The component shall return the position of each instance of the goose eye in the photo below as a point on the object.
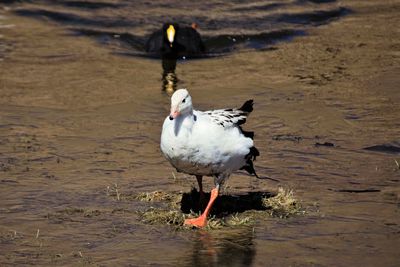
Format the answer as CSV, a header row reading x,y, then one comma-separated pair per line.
x,y
184,100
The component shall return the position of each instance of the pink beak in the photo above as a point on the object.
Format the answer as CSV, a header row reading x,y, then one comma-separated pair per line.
x,y
174,113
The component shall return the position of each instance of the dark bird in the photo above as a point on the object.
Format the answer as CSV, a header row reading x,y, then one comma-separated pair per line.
x,y
174,41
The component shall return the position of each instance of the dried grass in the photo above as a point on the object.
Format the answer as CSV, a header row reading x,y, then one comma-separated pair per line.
x,y
160,216
283,205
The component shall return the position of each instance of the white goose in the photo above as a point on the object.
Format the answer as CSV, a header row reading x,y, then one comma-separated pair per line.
x,y
207,143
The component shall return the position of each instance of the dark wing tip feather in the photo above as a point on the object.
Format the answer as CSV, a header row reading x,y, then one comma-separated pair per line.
x,y
241,121
247,106
254,153
249,167
246,133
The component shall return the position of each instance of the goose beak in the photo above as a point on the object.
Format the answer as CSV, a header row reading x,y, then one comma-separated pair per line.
x,y
174,113
171,34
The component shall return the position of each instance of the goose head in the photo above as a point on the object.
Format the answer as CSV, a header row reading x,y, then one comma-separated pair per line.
x,y
181,104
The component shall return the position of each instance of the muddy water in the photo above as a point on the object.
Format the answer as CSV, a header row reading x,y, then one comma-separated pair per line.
x,y
81,111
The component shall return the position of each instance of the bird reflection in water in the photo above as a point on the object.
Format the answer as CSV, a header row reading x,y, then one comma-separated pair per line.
x,y
223,248
173,42
169,77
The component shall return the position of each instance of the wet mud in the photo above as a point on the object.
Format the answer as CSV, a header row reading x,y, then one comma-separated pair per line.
x,y
81,110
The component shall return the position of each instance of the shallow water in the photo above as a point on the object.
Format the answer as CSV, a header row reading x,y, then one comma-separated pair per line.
x,y
82,108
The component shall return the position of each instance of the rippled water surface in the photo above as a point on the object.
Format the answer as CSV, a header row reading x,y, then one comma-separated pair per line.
x,y
81,111
125,25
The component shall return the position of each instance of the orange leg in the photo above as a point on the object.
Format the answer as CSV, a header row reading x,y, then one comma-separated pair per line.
x,y
202,220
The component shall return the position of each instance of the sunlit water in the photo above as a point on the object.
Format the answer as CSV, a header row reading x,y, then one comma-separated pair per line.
x,y
82,109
